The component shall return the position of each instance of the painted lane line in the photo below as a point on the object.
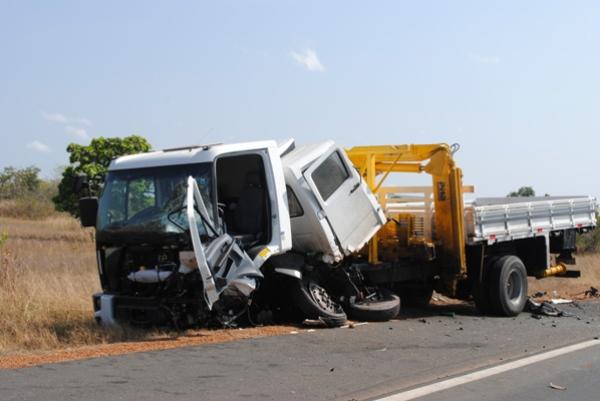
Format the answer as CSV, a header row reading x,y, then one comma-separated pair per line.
x,y
482,374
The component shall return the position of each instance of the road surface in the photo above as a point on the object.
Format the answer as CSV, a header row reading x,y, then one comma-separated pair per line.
x,y
367,362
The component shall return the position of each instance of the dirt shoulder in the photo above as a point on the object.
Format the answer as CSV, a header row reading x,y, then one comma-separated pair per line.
x,y
190,338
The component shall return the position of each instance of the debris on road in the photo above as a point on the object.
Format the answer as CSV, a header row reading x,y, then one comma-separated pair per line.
x,y
592,292
545,308
561,301
556,386
539,294
314,323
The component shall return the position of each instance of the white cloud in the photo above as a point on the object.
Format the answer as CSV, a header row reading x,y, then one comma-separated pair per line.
x,y
308,59
59,118
80,133
481,59
38,146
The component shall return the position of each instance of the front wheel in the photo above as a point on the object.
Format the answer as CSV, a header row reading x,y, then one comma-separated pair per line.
x,y
508,286
316,303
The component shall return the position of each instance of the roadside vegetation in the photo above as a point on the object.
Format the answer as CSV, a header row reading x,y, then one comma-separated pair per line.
x,y
47,276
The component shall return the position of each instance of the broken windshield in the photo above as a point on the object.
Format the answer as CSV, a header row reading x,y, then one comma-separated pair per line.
x,y
150,200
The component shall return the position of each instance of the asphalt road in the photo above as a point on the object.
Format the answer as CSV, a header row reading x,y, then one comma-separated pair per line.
x,y
365,362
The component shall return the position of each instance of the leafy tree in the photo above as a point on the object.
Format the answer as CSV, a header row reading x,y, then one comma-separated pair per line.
x,y
93,160
523,191
17,183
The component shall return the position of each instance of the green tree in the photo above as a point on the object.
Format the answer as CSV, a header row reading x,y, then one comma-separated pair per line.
x,y
523,191
93,160
17,183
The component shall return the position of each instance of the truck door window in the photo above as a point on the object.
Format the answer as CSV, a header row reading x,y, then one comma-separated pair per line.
x,y
293,203
330,175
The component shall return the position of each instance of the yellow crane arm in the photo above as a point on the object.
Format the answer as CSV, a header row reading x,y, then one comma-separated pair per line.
x,y
433,159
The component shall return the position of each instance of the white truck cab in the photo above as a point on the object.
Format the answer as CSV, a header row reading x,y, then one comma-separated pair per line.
x,y
183,233
332,210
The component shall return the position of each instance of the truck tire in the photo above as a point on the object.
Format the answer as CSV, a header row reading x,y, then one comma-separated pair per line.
x,y
416,297
481,288
384,307
508,286
316,303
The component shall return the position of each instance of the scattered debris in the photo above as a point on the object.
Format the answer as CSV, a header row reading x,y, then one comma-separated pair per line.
x,y
332,369
448,313
556,387
437,297
422,320
561,301
314,323
539,294
545,308
592,292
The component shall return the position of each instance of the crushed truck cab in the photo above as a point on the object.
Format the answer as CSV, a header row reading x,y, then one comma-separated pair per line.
x,y
184,235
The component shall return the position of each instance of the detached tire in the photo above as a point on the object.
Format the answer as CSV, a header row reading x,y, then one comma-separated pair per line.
x,y
386,306
508,286
314,301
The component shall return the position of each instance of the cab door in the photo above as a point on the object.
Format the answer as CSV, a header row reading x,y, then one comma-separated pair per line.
x,y
347,203
240,181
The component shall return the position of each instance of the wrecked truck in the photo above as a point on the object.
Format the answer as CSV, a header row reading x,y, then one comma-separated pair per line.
x,y
221,233
191,236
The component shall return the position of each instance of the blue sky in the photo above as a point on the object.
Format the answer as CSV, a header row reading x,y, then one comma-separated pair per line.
x,y
516,83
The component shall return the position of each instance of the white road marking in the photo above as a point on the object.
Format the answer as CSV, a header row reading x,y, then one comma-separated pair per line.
x,y
482,374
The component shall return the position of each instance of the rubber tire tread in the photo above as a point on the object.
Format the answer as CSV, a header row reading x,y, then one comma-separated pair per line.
x,y
499,273
303,300
377,311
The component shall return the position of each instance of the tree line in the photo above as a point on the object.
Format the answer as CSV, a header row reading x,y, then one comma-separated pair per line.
x,y
23,193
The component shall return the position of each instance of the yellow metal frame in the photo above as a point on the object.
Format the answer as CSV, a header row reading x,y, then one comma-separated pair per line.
x,y
376,163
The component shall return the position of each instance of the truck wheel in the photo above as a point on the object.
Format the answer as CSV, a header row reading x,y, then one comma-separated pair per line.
x,y
417,297
384,306
316,303
481,288
508,286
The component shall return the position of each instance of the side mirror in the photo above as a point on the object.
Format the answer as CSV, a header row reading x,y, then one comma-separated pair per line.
x,y
81,182
88,210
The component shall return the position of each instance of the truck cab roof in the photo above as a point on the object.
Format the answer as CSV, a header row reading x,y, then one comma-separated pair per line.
x,y
183,155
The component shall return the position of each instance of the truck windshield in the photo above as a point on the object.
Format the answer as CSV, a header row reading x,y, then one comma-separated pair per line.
x,y
150,200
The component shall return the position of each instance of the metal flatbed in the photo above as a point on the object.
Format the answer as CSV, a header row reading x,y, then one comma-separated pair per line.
x,y
495,220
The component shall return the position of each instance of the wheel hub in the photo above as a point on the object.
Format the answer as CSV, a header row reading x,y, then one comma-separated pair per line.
x,y
322,298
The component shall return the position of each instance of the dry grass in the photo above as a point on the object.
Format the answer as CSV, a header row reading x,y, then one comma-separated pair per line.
x,y
47,276
32,207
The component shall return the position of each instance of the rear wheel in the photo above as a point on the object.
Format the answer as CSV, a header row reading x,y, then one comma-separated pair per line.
x,y
316,303
508,286
380,307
